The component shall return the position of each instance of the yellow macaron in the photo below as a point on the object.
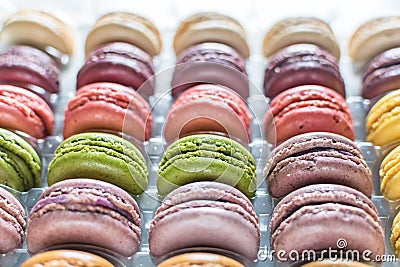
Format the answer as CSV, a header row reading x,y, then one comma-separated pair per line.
x,y
200,259
390,175
395,235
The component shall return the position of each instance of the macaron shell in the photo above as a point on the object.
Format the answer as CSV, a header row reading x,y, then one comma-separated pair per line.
x,y
320,223
211,27
124,27
389,174
74,227
297,30
204,226
25,111
39,29
208,108
336,263
373,37
211,260
395,234
382,125
308,108
108,106
69,257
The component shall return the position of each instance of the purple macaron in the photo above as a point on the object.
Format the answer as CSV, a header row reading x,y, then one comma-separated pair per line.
x,y
381,74
210,63
323,216
205,214
85,212
30,68
121,63
302,64
12,222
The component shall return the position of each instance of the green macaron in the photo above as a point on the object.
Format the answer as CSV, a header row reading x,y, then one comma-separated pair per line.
x,y
207,157
100,156
20,165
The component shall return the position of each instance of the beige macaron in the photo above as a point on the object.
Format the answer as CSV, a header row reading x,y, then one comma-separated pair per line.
x,y
335,263
66,258
211,27
39,29
373,37
295,30
200,259
124,27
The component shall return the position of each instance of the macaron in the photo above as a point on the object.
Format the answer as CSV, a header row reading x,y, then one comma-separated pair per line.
x,y
316,158
382,121
25,111
389,174
66,258
206,214
210,63
307,108
395,235
100,156
12,222
84,212
121,63
200,259
208,108
335,263
108,107
211,27
297,30
373,37
381,74
302,64
20,165
207,157
319,217
38,29
124,27
30,68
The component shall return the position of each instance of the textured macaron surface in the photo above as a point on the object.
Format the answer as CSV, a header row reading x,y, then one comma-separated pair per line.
x,y
200,260
100,156
25,111
390,174
20,165
12,222
314,158
302,64
206,157
307,108
307,223
395,235
107,106
382,125
83,208
217,209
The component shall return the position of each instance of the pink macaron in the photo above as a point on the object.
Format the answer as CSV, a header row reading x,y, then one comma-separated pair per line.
x,y
108,107
208,108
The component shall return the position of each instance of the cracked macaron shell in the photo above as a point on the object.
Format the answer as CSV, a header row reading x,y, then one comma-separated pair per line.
x,y
211,108
206,157
307,108
20,165
120,63
302,64
12,222
361,230
108,106
314,158
382,121
199,202
68,206
100,156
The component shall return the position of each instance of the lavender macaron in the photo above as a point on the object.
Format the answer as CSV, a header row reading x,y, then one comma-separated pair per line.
x,y
85,212
302,64
214,63
316,158
319,217
205,214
